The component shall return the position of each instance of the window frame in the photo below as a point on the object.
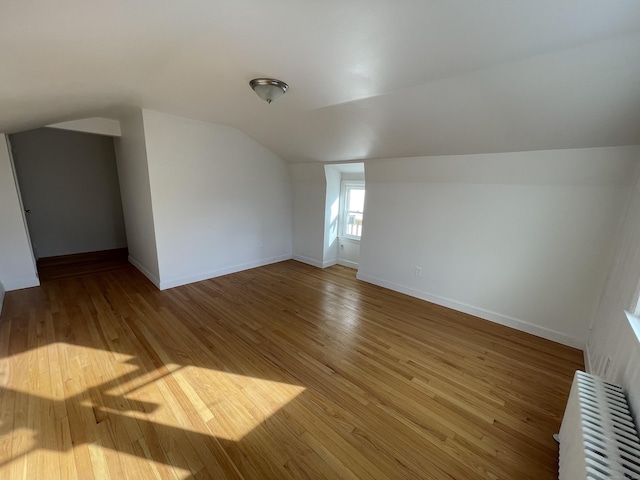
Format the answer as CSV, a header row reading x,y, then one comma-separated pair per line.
x,y
345,186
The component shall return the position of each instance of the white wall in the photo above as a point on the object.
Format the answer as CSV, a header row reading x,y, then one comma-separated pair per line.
x,y
613,350
133,172
17,267
331,215
316,211
524,239
69,182
309,194
348,252
221,202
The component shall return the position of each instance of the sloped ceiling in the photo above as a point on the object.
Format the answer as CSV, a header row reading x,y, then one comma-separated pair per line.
x,y
368,78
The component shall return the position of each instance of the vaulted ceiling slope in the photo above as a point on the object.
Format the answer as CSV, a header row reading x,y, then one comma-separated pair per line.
x,y
368,78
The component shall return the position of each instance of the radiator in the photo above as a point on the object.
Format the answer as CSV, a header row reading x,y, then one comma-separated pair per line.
x,y
598,438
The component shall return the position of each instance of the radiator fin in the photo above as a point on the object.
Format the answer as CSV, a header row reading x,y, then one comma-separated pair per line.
x,y
598,437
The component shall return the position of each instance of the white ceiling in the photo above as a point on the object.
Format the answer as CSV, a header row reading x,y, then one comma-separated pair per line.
x,y
368,78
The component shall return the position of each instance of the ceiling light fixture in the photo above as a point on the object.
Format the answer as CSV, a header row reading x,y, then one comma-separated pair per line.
x,y
268,89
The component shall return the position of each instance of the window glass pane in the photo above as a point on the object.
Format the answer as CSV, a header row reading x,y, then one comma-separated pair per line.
x,y
352,205
356,200
354,224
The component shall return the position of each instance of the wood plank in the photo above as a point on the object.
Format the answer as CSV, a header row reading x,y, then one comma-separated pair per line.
x,y
284,371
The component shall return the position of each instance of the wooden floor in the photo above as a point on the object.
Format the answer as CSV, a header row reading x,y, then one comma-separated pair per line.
x,y
284,371
78,264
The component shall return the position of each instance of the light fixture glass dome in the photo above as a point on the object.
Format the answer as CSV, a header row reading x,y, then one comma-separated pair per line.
x,y
268,89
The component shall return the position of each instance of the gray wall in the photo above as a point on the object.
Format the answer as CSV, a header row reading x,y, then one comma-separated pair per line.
x,y
69,181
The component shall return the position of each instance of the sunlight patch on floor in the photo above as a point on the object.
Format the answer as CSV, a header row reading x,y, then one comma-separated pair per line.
x,y
227,405
63,406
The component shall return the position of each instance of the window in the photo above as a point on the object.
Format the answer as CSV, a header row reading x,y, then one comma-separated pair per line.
x,y
352,200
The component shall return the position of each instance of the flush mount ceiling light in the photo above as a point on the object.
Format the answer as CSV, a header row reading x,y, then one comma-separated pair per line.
x,y
268,89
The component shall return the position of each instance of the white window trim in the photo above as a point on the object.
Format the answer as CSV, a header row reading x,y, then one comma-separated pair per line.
x,y
344,185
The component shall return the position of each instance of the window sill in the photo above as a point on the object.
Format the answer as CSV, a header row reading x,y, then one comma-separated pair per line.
x,y
349,239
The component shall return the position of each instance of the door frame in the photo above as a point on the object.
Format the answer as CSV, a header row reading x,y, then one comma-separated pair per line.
x,y
22,211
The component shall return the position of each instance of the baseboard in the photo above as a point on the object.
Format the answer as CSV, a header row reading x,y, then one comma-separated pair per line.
x,y
348,263
155,280
330,263
314,262
20,283
505,320
221,271
307,260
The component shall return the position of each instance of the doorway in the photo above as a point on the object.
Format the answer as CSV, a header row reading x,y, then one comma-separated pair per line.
x,y
71,195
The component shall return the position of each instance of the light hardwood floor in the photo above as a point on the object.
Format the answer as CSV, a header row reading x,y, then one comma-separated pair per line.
x,y
284,371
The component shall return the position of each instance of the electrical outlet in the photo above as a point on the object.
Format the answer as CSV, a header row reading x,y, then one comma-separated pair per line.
x,y
418,271
342,246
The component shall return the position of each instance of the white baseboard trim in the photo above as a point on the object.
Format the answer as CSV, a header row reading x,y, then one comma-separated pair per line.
x,y
155,280
20,283
478,312
314,262
307,260
176,282
347,263
330,263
